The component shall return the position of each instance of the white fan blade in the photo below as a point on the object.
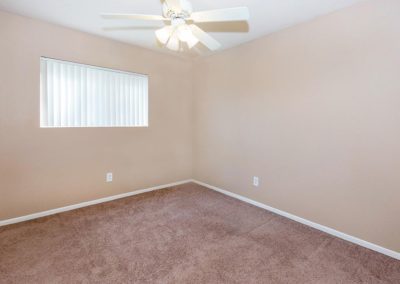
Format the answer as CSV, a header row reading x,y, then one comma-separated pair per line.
x,y
222,15
134,17
204,38
174,5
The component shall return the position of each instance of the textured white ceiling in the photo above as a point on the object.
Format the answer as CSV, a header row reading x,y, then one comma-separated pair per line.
x,y
267,16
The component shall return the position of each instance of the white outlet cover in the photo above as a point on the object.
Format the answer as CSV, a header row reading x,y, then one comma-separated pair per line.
x,y
109,177
256,181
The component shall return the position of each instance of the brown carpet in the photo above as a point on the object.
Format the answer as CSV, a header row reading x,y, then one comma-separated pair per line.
x,y
187,234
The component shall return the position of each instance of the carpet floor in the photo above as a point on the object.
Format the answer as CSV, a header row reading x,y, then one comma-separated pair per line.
x,y
186,234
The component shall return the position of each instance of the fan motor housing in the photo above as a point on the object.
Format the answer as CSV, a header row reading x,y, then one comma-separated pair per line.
x,y
186,10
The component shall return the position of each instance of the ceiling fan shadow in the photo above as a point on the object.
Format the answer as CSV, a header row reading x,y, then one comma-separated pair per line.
x,y
226,27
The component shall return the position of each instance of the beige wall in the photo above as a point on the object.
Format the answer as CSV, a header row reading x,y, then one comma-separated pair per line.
x,y
42,169
314,111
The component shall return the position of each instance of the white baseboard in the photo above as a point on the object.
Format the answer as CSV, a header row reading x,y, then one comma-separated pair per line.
x,y
325,229
87,203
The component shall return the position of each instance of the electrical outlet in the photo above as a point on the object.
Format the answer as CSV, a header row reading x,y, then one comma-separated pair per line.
x,y
109,177
256,181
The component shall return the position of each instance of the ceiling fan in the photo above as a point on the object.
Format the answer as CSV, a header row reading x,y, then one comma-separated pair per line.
x,y
182,26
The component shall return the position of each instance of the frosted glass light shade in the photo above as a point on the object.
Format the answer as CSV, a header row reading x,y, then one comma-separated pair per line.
x,y
173,42
192,41
164,34
171,36
184,33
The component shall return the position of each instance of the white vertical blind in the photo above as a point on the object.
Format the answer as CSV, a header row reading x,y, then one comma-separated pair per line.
x,y
77,95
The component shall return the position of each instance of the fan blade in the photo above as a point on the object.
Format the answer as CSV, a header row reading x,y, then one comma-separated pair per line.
x,y
174,5
131,28
222,15
134,17
204,38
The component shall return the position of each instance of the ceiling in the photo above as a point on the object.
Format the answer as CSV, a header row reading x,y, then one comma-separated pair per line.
x,y
266,16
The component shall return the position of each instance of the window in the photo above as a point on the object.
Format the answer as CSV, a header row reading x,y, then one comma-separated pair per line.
x,y
76,95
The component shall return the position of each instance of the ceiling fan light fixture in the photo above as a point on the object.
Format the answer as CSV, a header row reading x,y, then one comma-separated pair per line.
x,y
182,23
173,43
192,41
164,34
184,33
